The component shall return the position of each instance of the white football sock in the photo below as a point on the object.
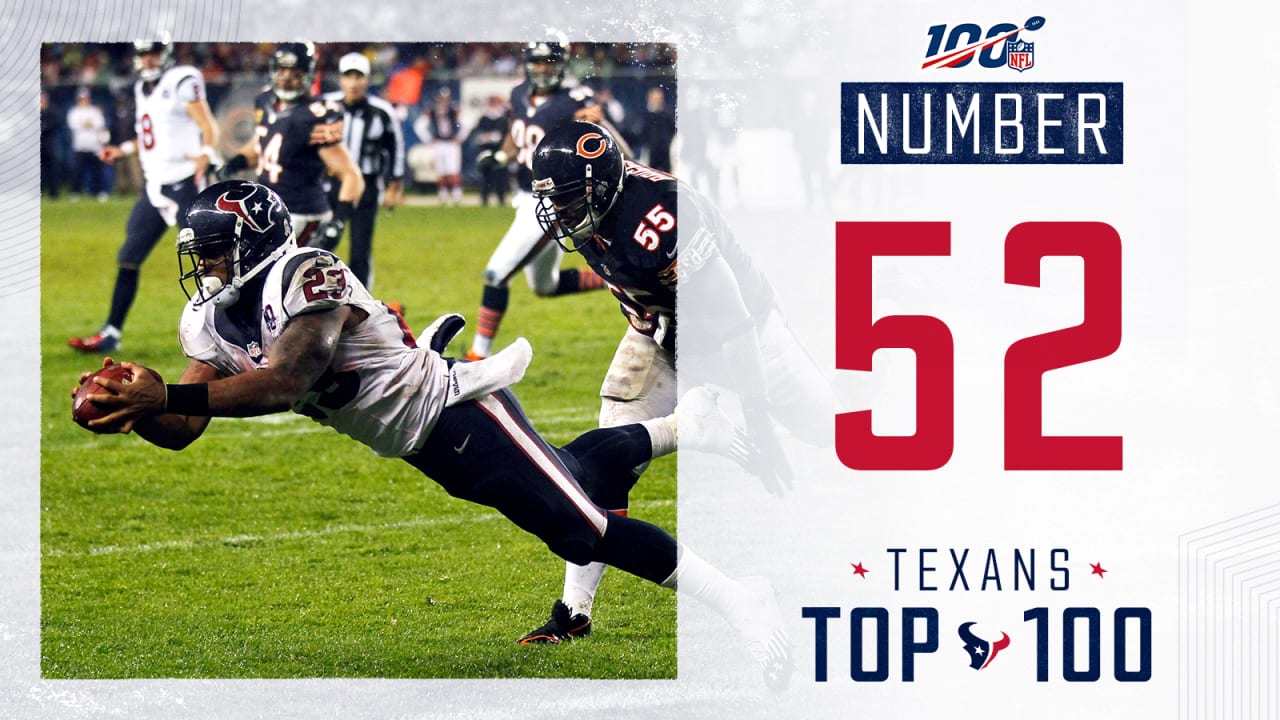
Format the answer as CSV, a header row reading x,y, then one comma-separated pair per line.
x,y
662,433
695,577
580,583
481,345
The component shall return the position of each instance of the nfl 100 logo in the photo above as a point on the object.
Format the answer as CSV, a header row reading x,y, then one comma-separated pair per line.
x,y
999,46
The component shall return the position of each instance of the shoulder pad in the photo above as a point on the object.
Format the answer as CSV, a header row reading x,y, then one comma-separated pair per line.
x,y
312,280
193,332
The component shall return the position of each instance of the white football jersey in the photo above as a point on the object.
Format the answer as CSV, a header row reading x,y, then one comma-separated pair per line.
x,y
378,389
167,136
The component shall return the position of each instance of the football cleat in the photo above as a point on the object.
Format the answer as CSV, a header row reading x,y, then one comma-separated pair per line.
x,y
759,622
472,356
563,625
103,342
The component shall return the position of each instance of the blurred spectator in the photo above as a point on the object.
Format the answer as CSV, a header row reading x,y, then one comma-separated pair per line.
x,y
88,135
659,130
50,130
127,168
613,110
488,134
440,127
404,89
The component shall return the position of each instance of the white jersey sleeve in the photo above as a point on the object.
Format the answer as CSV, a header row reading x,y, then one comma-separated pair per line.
x,y
314,281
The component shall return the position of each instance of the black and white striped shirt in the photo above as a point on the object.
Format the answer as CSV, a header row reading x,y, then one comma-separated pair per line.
x,y
372,135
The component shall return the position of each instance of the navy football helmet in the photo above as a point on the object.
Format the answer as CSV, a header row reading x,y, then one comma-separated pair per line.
x,y
240,224
544,64
577,178
143,47
299,55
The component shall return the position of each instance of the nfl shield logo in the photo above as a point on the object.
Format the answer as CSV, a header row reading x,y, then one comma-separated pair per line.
x,y
1022,55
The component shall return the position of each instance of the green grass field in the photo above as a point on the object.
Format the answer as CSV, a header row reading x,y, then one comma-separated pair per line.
x,y
276,548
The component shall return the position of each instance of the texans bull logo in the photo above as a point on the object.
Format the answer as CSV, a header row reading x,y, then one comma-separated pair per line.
x,y
981,652
253,214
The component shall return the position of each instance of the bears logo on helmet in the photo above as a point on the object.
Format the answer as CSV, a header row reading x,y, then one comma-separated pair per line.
x,y
591,154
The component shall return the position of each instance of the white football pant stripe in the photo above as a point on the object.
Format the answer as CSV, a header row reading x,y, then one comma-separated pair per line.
x,y
550,466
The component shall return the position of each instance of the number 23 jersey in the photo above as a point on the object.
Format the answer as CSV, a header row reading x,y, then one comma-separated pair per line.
x,y
379,388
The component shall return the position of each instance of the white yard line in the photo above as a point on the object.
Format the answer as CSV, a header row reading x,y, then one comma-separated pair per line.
x,y
193,543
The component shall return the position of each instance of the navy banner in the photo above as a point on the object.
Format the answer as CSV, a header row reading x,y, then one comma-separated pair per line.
x,y
982,123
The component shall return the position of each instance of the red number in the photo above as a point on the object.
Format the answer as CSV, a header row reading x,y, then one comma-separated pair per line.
x,y
661,220
856,341
148,131
1027,360
324,284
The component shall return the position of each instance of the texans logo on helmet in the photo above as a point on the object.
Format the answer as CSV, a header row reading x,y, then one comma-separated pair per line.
x,y
239,206
591,154
981,652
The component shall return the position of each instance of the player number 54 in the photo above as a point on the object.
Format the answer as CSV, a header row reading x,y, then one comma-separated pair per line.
x,y
1026,447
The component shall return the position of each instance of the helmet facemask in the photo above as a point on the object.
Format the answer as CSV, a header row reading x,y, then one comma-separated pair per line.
x,y
544,74
544,65
298,58
196,273
572,213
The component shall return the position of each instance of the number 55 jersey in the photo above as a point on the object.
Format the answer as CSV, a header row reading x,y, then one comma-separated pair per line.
x,y
379,389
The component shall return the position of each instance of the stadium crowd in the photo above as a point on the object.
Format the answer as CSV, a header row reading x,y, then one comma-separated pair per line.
x,y
408,75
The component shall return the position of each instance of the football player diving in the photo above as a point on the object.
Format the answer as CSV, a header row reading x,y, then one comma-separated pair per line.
x,y
624,218
270,326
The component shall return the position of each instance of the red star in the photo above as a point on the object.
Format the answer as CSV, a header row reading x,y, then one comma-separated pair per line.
x,y
1097,569
859,570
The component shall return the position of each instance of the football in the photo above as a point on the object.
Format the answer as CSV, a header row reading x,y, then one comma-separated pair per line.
x,y
83,409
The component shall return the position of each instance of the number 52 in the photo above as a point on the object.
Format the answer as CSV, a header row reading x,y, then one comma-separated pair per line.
x,y
1025,362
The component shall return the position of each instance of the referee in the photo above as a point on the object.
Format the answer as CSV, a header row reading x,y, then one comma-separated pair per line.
x,y
371,133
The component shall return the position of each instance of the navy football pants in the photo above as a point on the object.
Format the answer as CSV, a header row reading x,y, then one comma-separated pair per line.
x,y
486,451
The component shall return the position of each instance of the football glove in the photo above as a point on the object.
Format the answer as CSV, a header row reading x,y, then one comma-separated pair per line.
x,y
228,170
330,234
442,331
491,159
